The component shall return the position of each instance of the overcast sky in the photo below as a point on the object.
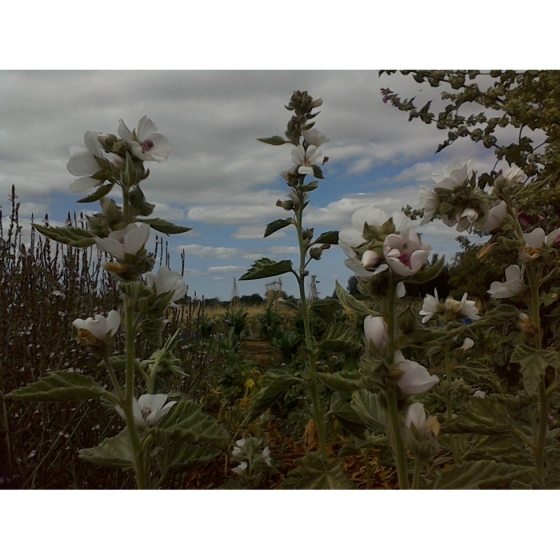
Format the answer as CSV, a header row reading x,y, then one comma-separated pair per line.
x,y
219,179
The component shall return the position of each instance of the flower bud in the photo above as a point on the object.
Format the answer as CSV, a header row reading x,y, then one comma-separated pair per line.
x,y
376,331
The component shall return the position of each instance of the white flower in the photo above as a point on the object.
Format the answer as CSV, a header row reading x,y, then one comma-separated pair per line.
x,y
287,173
265,456
376,331
405,253
240,468
511,287
83,163
515,175
479,394
468,343
148,409
416,416
239,444
466,219
306,158
146,144
129,240
430,201
167,281
314,137
537,238
430,306
495,217
464,308
415,378
453,175
98,327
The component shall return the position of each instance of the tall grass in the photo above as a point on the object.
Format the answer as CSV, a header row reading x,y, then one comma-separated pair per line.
x,y
44,286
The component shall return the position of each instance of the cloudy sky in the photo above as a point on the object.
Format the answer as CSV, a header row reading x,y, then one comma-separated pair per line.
x,y
219,179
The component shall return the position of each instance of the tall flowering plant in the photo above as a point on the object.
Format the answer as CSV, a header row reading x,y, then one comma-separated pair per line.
x,y
385,252
158,427
302,178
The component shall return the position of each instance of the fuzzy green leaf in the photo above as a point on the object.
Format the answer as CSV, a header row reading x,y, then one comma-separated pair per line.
x,y
274,140
479,475
350,302
264,268
164,226
60,386
111,452
102,191
273,388
533,364
330,237
369,409
483,416
325,309
339,338
343,381
76,237
277,225
348,417
186,422
180,456
314,473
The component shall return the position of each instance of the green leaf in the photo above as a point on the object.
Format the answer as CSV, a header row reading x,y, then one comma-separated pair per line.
x,y
164,226
272,389
264,268
339,338
343,381
277,225
534,364
60,386
181,456
484,416
479,474
76,237
330,237
350,302
102,191
369,409
314,473
186,422
112,452
347,416
503,314
274,140
325,309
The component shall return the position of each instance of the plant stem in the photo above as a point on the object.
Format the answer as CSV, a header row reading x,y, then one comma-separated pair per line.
x,y
543,401
311,355
398,442
417,471
129,394
456,454
392,390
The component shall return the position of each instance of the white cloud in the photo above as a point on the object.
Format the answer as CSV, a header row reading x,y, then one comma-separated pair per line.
x,y
209,252
227,268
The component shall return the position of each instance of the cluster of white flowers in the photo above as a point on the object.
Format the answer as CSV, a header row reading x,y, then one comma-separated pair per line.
x,y
90,164
402,250
463,309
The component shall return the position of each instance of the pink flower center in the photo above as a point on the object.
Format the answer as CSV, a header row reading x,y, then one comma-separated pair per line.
x,y
147,146
146,411
405,259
